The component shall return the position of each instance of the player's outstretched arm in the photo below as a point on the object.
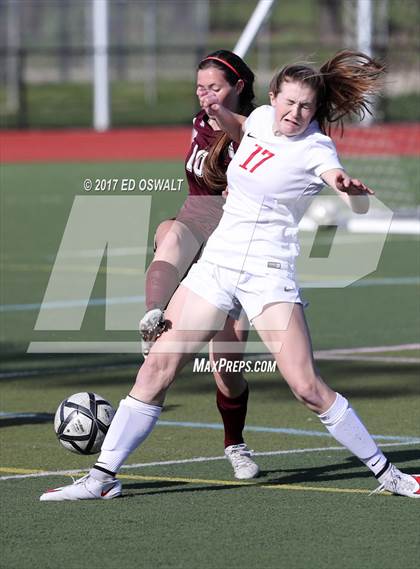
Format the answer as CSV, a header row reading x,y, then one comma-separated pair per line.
x,y
228,121
354,192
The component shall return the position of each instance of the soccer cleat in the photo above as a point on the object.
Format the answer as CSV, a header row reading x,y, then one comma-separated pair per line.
x,y
399,483
151,327
87,488
239,456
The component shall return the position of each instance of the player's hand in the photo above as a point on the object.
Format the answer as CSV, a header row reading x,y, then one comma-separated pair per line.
x,y
352,186
210,104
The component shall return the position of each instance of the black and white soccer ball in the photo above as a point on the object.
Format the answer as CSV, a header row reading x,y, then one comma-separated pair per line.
x,y
82,421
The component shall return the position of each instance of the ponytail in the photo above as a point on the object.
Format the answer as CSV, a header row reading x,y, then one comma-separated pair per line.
x,y
214,171
344,86
351,78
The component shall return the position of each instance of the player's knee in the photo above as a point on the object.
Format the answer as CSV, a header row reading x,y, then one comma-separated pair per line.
x,y
163,229
167,239
308,392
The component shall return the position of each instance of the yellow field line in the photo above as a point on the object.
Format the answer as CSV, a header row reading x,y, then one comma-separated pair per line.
x,y
181,480
250,483
316,489
187,480
7,470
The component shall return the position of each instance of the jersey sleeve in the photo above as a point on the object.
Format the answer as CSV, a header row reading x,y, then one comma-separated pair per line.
x,y
323,156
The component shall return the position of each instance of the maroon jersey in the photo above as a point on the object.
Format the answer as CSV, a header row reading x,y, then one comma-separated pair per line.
x,y
203,207
203,138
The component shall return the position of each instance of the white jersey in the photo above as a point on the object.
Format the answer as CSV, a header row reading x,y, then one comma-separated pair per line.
x,y
271,181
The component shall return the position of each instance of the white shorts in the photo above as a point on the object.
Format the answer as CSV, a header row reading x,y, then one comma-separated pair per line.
x,y
231,290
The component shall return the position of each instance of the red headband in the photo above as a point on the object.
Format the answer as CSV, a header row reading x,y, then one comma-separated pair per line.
x,y
224,63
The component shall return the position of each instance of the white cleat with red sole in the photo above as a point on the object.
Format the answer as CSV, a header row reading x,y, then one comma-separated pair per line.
x,y
397,482
87,488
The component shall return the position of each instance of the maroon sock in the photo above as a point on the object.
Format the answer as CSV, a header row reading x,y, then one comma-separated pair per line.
x,y
162,280
233,412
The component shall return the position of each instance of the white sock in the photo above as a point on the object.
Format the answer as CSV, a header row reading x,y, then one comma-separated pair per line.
x,y
132,424
346,427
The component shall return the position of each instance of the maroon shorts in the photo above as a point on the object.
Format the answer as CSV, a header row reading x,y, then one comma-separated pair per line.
x,y
201,214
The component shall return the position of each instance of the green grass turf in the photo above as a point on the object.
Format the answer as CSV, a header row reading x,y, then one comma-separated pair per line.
x,y
212,522
173,523
165,524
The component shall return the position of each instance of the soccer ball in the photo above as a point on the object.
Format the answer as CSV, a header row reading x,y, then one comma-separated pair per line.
x,y
81,422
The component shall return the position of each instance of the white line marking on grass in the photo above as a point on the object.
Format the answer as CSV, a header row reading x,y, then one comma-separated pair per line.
x,y
5,415
383,360
72,303
64,370
383,281
41,474
371,349
93,253
379,281
248,428
334,354
277,430
109,347
352,354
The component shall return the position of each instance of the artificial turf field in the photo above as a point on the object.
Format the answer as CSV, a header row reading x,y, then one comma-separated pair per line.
x,y
311,506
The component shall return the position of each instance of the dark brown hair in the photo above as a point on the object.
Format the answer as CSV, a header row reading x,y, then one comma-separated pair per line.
x,y
234,69
343,85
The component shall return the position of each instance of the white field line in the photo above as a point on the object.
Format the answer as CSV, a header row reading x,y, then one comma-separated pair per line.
x,y
248,428
311,281
41,474
383,360
94,253
334,354
352,354
109,347
82,302
275,430
372,349
77,303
